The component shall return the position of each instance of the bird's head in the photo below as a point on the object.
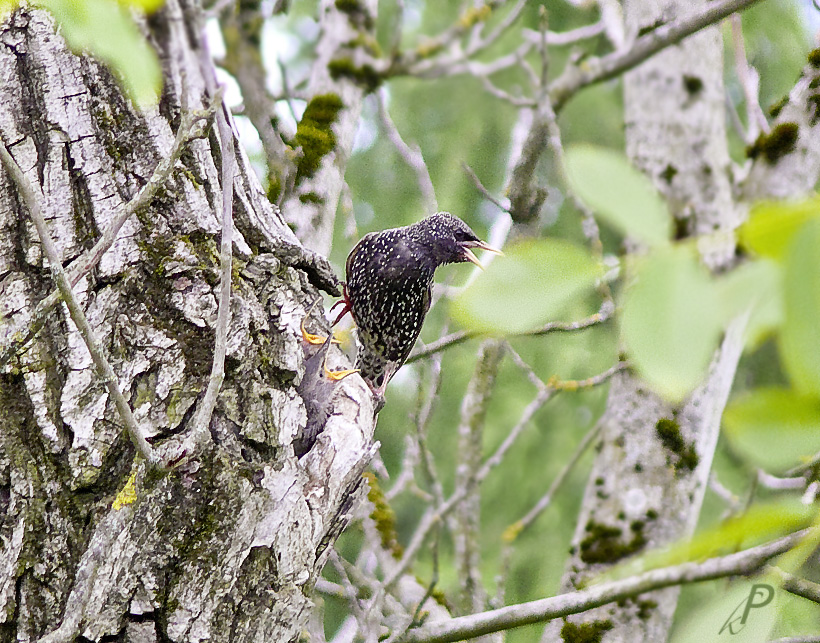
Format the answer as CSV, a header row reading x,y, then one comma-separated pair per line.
x,y
449,240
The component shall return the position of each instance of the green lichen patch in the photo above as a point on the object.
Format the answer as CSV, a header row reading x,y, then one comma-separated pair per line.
x,y
681,225
314,134
364,75
692,84
660,22
311,197
777,107
606,544
474,15
776,144
384,517
646,608
428,48
669,173
592,632
367,43
813,107
357,13
668,430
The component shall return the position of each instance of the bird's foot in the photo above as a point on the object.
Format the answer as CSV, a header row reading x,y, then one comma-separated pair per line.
x,y
344,302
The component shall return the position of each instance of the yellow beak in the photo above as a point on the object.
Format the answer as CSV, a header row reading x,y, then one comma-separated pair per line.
x,y
470,256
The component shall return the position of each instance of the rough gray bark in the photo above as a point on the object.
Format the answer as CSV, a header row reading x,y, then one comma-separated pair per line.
x,y
228,546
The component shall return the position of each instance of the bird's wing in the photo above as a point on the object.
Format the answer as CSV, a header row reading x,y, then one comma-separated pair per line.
x,y
352,256
403,262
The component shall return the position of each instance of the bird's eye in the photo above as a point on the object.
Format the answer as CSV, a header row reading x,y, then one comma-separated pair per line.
x,y
463,235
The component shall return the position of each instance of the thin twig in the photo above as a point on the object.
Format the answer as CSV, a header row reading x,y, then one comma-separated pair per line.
x,y
612,18
769,481
512,532
749,82
796,585
546,609
559,480
411,155
484,191
494,90
717,487
461,336
466,541
202,419
104,370
426,404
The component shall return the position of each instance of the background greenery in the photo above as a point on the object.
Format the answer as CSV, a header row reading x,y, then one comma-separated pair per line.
x,y
455,121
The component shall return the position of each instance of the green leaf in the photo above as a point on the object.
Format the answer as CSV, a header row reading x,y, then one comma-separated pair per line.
x,y
774,427
772,225
800,336
7,6
531,284
618,193
104,29
671,321
755,286
146,5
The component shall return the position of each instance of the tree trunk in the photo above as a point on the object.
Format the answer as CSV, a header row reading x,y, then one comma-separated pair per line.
x,y
227,546
648,480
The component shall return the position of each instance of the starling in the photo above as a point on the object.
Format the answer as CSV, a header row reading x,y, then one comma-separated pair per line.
x,y
388,289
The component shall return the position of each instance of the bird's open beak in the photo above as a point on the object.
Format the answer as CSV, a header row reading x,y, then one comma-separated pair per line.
x,y
468,255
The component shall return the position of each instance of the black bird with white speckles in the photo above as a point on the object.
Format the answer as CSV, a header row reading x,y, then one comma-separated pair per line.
x,y
389,280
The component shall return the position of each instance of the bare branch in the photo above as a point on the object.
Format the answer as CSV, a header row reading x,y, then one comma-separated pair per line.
x,y
104,370
411,155
796,585
493,89
459,337
546,609
595,70
468,461
423,416
512,532
749,82
484,191
243,29
201,422
559,480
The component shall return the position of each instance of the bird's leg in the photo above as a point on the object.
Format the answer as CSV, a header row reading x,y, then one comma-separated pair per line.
x,y
345,301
